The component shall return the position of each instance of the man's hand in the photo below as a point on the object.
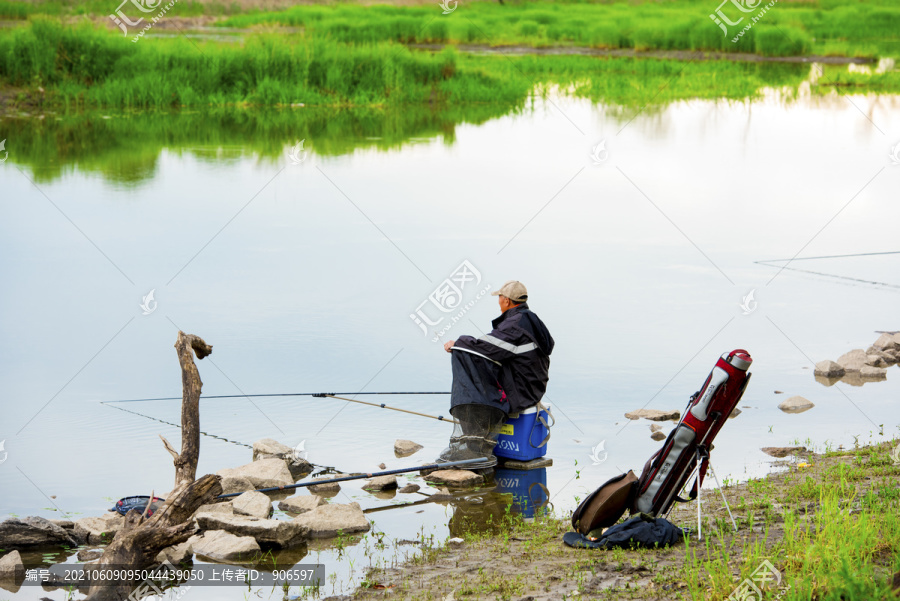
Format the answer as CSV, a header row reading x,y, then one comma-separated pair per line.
x,y
449,345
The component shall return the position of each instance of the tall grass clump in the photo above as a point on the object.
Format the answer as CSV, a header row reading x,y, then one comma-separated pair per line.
x,y
90,67
781,41
15,10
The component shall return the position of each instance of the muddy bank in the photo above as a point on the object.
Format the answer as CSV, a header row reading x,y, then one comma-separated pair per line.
x,y
680,55
528,561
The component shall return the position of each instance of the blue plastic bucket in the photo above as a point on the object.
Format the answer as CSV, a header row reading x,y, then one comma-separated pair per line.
x,y
520,437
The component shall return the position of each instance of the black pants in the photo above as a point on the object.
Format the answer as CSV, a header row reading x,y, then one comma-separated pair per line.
x,y
476,382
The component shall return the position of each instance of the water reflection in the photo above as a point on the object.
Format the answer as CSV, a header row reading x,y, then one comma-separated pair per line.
x,y
126,148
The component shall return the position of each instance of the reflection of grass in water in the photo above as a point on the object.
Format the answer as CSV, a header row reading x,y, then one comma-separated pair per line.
x,y
126,148
381,91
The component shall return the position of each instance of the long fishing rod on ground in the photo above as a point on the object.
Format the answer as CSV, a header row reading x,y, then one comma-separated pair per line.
x,y
276,394
361,476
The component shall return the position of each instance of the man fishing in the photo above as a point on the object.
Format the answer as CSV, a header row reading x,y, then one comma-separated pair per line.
x,y
503,372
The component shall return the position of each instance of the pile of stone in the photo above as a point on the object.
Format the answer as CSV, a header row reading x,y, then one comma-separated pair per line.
x,y
237,530
233,531
859,366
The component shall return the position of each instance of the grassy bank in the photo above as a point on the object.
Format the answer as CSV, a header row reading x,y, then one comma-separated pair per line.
x,y
829,525
839,27
831,27
83,67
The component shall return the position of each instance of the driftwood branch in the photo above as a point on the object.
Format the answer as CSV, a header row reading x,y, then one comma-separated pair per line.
x,y
140,540
191,385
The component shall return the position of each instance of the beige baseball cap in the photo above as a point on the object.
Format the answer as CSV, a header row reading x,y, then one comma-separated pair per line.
x,y
514,290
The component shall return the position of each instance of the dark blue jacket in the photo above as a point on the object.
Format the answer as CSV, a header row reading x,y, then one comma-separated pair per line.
x,y
521,344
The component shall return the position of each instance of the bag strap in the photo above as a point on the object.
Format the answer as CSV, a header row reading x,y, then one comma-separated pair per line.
x,y
701,474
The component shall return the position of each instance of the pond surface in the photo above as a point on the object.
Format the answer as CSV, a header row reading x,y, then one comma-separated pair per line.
x,y
637,233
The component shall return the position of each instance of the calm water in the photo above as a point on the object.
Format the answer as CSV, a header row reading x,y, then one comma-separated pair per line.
x,y
304,278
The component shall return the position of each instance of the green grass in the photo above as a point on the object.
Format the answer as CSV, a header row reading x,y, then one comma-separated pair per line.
x,y
350,93
845,27
844,544
83,67
834,27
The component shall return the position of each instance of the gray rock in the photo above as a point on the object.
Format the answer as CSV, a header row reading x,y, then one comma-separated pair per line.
x,y
252,503
734,413
455,478
268,448
32,531
224,546
89,554
272,449
655,428
236,484
99,529
867,372
829,369
11,567
876,360
68,525
409,488
796,404
887,342
405,448
782,451
381,483
653,414
301,503
658,436
225,508
889,357
282,533
327,521
261,474
326,490
853,360
299,468
176,554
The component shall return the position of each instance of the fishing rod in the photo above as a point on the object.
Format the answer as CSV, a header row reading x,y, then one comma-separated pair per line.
x,y
250,396
383,406
333,395
360,476
162,421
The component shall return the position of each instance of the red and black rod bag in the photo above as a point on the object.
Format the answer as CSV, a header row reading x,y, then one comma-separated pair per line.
x,y
669,469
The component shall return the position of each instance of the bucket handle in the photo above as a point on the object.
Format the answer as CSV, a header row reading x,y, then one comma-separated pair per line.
x,y
541,409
